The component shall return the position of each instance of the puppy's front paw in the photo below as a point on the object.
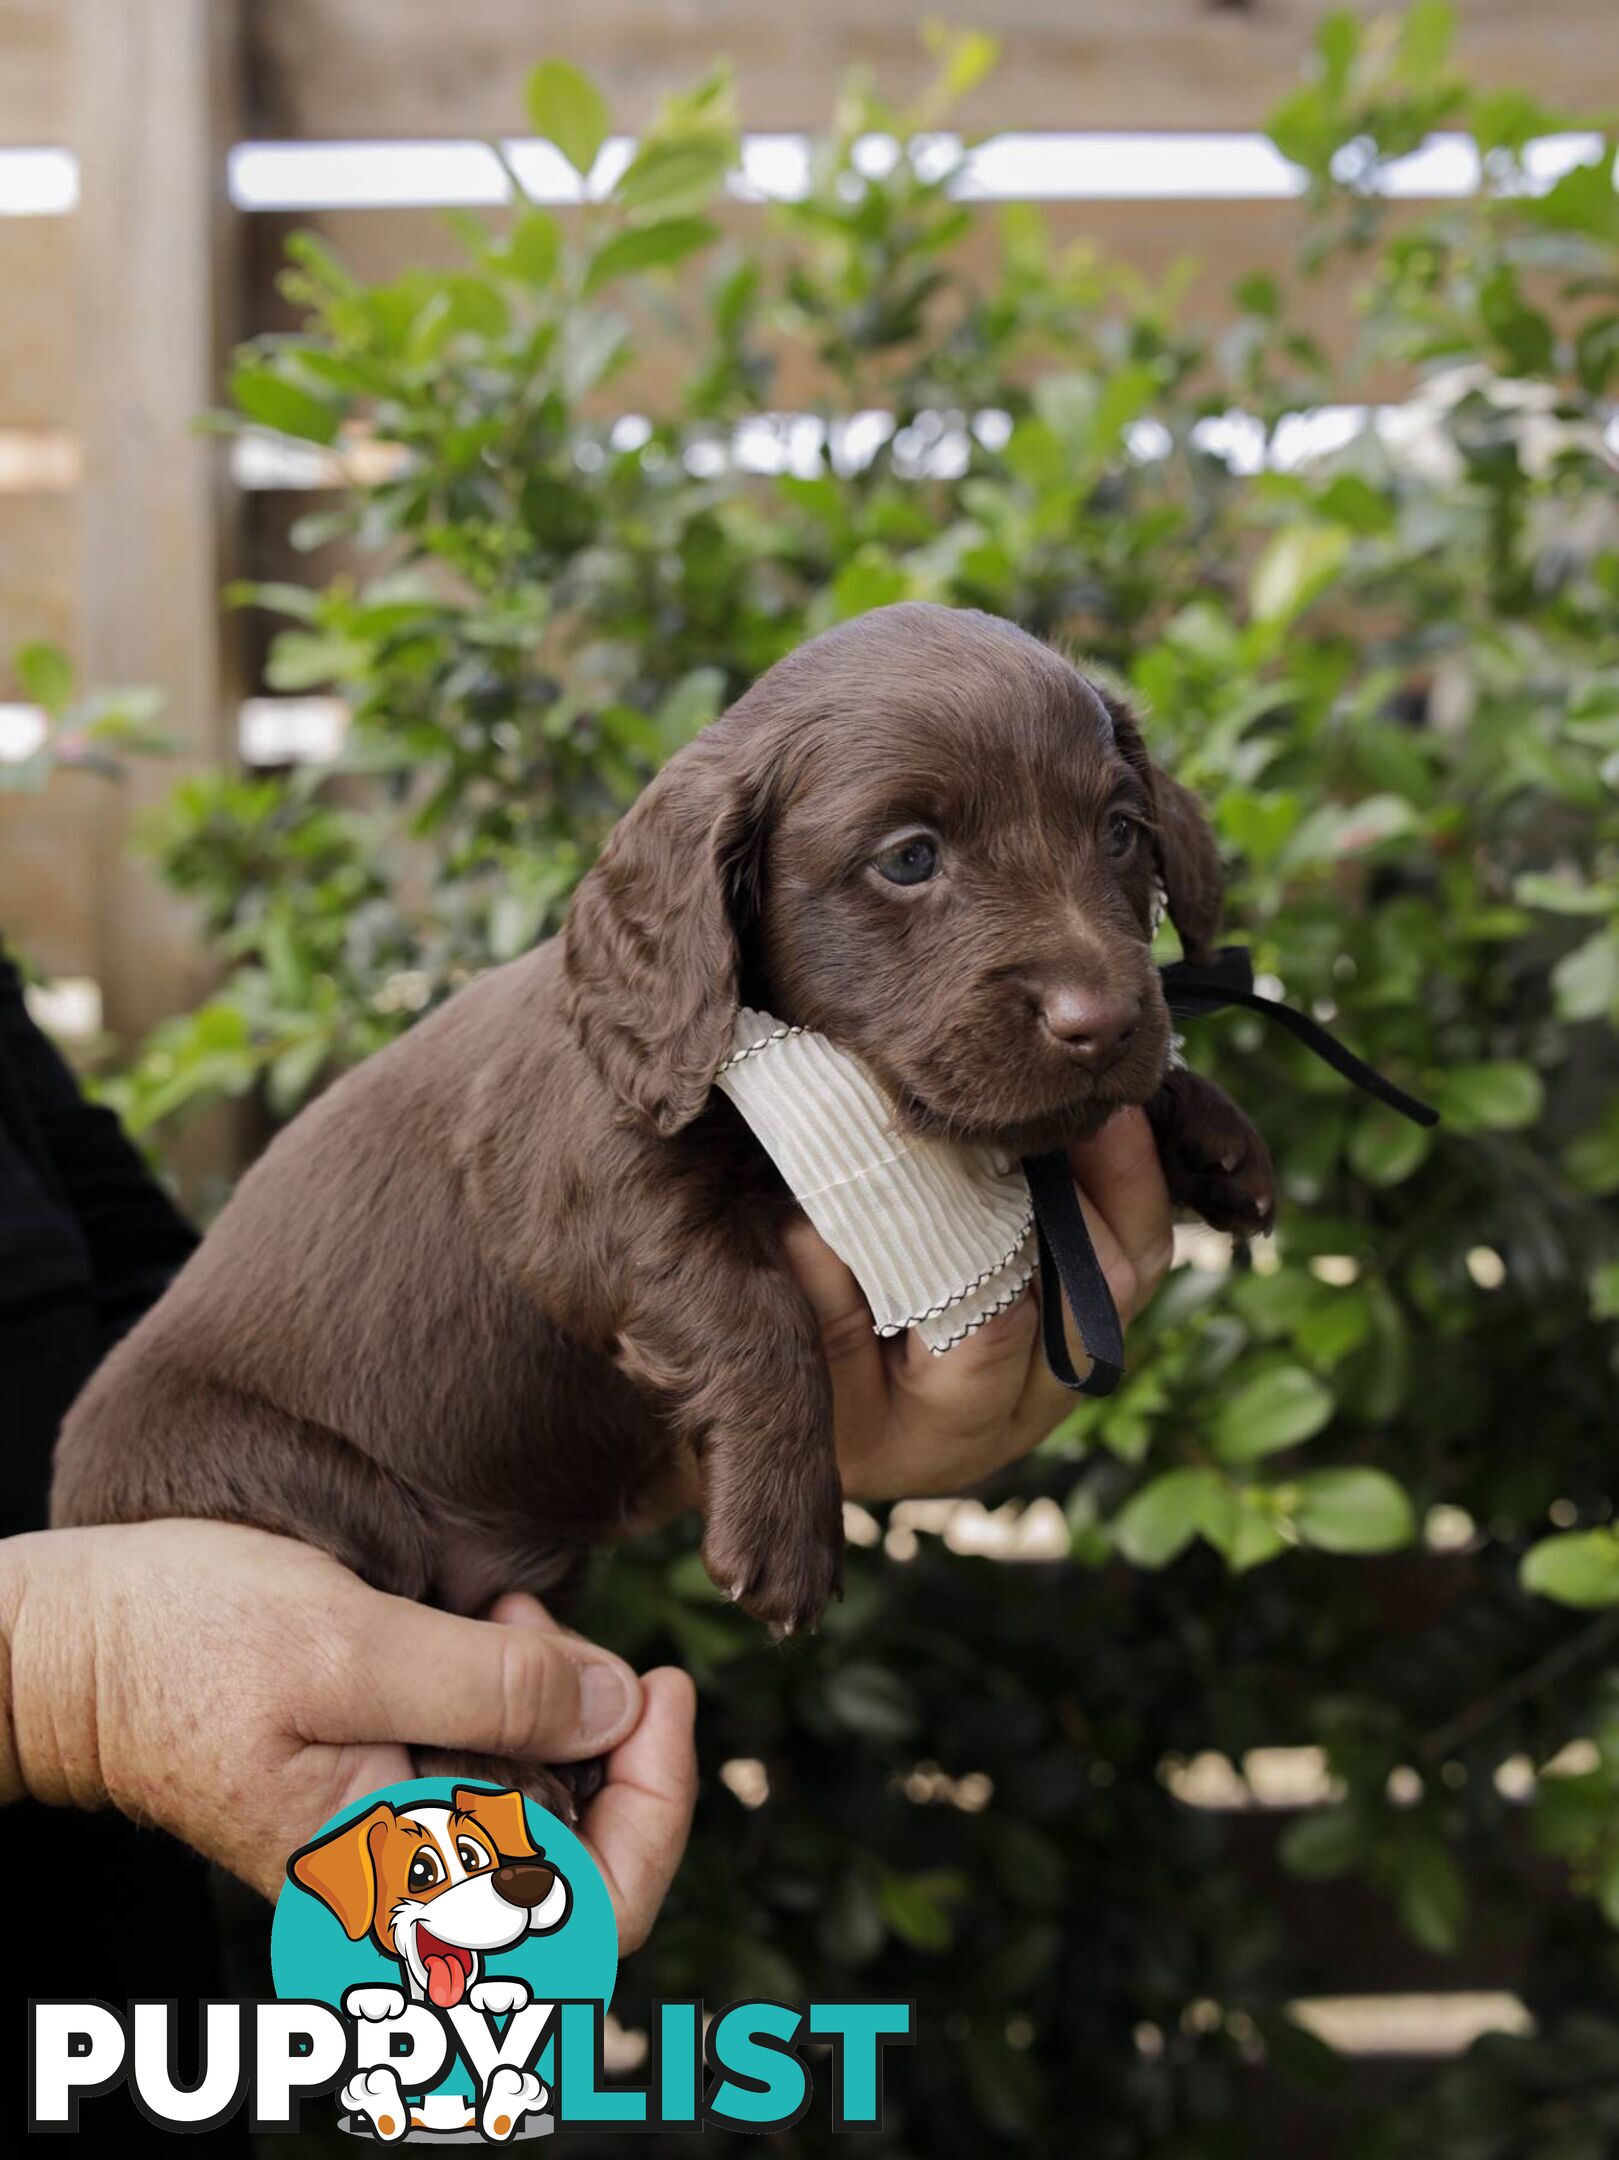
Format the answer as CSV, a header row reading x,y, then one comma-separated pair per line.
x,y
374,2003
1232,1185
776,1549
375,2094
498,1997
1215,1161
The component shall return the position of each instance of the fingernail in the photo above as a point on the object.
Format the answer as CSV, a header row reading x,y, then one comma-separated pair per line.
x,y
606,1701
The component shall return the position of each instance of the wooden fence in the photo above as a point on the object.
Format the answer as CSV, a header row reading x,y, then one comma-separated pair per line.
x,y
119,523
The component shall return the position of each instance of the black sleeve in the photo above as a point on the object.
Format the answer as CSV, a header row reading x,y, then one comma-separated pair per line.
x,y
133,1236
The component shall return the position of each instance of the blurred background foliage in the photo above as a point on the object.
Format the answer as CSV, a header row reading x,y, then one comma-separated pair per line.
x,y
1356,1491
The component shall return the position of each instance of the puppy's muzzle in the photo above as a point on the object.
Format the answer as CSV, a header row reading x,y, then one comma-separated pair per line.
x,y
523,1883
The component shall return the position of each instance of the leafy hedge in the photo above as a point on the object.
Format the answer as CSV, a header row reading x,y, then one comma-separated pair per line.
x,y
1391,666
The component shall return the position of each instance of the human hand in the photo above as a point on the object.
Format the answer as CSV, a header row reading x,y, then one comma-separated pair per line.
x,y
909,1423
238,1689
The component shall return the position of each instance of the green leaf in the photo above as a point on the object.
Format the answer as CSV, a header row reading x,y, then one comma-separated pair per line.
x,y
276,598
648,247
850,1927
1244,1529
920,1908
272,400
312,660
1385,1149
1431,1895
1297,565
534,248
1338,42
1580,1567
1605,1291
1337,1322
1582,201
1337,831
1276,1410
1353,1511
1426,30
872,1701
680,172
1325,1842
567,109
965,57
869,579
1164,1517
1565,896
1585,982
1592,1158
45,674
1501,1097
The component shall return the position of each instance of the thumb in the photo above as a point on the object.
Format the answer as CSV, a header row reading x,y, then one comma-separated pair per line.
x,y
518,1608
431,1679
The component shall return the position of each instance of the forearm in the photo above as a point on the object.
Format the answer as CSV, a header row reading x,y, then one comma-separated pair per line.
x,y
47,1676
12,1567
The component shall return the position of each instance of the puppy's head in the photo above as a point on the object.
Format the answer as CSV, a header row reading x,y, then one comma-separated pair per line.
x,y
928,837
437,1886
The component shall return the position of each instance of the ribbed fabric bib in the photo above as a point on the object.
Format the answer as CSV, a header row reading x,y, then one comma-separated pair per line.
x,y
939,1237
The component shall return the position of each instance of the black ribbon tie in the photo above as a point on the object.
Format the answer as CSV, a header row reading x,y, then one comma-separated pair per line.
x,y
1068,1262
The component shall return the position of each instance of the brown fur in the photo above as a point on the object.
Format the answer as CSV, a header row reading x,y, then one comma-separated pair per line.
x,y
468,1302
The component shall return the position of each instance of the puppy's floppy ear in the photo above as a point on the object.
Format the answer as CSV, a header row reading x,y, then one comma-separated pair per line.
x,y
501,1814
341,1869
650,947
1188,859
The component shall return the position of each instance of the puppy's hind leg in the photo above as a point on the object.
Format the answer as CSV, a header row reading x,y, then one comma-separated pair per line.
x,y
143,1443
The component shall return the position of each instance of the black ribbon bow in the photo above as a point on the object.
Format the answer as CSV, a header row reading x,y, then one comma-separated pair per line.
x,y
1068,1263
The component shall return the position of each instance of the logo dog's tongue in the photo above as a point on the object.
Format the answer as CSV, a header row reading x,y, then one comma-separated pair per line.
x,y
446,1981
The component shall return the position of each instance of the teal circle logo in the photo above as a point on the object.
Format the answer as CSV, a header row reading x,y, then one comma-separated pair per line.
x,y
443,1917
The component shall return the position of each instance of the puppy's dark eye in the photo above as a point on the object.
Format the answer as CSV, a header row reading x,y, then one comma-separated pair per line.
x,y
1121,834
424,1871
909,862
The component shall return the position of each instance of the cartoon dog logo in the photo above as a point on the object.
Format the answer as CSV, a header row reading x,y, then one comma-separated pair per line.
x,y
438,1888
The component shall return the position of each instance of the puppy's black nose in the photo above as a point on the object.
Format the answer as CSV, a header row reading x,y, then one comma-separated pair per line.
x,y
523,1882
1094,1027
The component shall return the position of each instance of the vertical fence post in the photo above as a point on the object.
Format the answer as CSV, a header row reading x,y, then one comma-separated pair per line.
x,y
156,99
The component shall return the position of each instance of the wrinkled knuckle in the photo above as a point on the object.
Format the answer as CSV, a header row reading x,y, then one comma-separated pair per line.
x,y
1125,1284
347,1633
1155,1263
527,1692
1004,1333
845,1334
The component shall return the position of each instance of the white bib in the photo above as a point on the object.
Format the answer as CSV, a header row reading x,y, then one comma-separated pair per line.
x,y
939,1236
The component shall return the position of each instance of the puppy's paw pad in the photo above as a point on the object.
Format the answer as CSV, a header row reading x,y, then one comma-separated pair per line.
x,y
499,1997
375,2094
511,2094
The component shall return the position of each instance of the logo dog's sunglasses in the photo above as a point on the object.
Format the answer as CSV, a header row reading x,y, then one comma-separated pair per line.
x,y
1068,1262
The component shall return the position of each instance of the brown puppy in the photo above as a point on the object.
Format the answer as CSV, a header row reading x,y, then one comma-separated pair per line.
x,y
466,1304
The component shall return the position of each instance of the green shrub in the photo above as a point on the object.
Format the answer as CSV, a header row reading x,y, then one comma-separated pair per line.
x,y
1392,670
